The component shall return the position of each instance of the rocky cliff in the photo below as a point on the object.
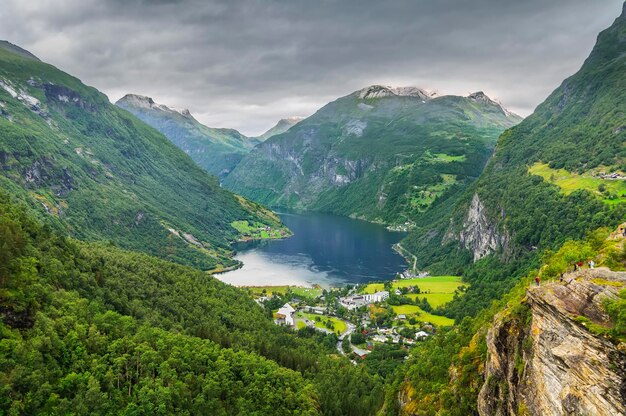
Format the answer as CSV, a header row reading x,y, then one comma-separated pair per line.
x,y
543,360
479,233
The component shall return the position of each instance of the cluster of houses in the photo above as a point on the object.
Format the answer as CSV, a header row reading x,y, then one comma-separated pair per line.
x,y
383,335
614,175
356,301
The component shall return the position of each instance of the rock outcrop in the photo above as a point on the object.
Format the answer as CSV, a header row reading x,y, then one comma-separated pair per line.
x,y
479,234
543,361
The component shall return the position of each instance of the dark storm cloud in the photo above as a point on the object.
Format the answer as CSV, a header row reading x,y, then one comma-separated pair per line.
x,y
245,64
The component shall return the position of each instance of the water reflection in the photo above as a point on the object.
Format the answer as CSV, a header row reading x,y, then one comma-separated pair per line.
x,y
326,249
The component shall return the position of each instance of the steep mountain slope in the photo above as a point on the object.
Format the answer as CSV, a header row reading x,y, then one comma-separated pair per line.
x,y
558,348
216,150
282,126
87,328
544,183
99,173
384,154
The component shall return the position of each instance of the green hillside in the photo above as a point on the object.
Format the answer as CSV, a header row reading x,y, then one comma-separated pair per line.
x,y
542,186
98,173
215,150
381,154
88,329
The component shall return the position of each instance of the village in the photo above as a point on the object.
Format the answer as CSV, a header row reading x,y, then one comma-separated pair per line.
x,y
393,314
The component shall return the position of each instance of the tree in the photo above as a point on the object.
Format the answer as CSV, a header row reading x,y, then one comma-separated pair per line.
x,y
345,345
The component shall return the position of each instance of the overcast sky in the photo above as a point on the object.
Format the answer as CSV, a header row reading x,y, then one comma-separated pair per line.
x,y
246,64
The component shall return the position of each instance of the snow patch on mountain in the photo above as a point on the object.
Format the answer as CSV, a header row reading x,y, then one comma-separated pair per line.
x,y
381,91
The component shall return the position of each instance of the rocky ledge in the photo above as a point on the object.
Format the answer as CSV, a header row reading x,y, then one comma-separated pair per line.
x,y
542,360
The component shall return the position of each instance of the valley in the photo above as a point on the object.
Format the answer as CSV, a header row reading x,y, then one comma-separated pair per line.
x,y
398,252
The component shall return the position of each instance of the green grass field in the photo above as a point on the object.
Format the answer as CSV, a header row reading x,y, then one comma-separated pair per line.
x,y
434,299
432,285
256,230
338,323
570,182
412,310
306,292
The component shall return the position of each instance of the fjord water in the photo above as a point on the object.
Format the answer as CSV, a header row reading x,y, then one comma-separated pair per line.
x,y
325,249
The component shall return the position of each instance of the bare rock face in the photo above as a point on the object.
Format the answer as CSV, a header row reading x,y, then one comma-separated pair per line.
x,y
541,361
479,234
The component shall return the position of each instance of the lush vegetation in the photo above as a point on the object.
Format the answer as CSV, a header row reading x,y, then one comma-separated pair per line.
x,y
546,215
96,172
431,284
385,159
461,350
95,329
258,230
577,130
611,191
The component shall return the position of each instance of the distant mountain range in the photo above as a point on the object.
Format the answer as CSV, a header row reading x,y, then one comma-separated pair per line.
x,y
381,153
282,126
217,150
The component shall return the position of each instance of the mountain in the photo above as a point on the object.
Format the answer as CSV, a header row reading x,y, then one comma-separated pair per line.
x,y
282,126
215,150
8,46
383,154
98,173
544,184
546,200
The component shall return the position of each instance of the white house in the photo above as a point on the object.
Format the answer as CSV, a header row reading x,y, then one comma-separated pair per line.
x,y
285,315
421,335
376,297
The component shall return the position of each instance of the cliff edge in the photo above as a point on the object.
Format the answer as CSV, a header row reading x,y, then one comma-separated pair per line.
x,y
543,359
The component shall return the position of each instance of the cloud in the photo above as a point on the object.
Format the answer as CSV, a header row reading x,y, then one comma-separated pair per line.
x,y
245,64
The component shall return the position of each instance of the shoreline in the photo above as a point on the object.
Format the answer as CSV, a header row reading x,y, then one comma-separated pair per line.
x,y
401,251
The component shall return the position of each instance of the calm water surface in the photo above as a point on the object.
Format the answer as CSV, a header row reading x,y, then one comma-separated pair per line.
x,y
326,249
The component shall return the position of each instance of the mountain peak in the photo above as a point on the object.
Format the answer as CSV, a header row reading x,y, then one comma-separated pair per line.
x,y
380,91
282,126
137,100
482,98
8,46
142,101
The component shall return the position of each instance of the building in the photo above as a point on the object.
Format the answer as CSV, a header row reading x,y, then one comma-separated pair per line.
x,y
317,309
352,302
356,301
421,335
376,297
285,315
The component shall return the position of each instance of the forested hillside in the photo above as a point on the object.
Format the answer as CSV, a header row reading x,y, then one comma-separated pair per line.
x,y
382,154
90,329
95,171
512,213
517,223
